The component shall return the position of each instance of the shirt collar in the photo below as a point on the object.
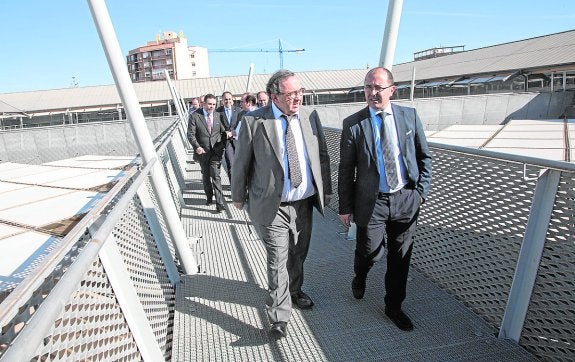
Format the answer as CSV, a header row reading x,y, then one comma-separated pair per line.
x,y
278,113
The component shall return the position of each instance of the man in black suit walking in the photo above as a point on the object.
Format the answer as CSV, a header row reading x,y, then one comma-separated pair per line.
x,y
208,134
229,114
384,177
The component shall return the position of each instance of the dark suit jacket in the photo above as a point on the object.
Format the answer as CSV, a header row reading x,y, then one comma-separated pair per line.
x,y
213,143
358,156
232,123
258,164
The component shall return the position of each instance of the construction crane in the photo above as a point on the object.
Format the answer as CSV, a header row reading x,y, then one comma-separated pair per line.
x,y
280,50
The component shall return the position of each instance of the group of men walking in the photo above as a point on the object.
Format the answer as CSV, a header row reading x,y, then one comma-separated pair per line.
x,y
279,169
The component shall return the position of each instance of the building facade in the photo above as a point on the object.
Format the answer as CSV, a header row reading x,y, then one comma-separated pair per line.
x,y
168,53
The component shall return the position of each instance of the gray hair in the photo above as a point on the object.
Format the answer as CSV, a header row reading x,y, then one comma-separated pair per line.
x,y
273,86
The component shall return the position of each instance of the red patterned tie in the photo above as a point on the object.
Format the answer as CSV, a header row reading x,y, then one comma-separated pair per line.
x,y
209,123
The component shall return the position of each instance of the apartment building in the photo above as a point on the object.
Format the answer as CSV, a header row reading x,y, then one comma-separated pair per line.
x,y
169,51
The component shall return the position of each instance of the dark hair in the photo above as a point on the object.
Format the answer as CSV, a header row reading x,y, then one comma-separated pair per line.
x,y
273,86
209,96
227,92
251,99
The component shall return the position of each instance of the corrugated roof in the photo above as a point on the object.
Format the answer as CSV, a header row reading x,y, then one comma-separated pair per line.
x,y
530,54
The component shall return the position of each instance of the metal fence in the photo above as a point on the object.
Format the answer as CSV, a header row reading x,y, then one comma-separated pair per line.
x,y
496,233
479,234
108,291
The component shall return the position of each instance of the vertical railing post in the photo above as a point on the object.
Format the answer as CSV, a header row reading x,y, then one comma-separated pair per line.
x,y
141,134
530,255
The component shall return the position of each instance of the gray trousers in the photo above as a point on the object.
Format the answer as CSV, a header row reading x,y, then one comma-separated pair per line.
x,y
287,241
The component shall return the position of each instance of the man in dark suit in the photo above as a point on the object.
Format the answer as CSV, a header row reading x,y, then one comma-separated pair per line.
x,y
207,135
384,177
229,114
282,170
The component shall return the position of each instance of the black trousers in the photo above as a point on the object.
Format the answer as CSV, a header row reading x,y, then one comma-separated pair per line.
x,y
211,165
393,223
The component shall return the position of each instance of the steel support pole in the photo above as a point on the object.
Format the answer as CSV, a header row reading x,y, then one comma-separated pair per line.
x,y
250,76
530,255
390,35
134,114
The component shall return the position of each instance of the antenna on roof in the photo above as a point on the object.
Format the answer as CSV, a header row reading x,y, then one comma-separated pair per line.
x,y
73,83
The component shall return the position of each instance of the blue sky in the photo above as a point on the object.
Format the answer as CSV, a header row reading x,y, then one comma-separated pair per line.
x,y
47,43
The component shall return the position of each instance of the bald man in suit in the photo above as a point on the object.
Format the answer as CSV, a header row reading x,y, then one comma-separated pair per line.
x,y
384,177
282,171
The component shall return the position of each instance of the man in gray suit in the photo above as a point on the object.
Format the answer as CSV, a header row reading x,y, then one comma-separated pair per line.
x,y
282,170
384,177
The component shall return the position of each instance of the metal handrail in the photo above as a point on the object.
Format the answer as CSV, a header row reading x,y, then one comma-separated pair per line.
x,y
528,160
40,323
21,294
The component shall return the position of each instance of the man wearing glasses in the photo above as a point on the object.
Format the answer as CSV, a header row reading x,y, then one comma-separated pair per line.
x,y
282,171
384,177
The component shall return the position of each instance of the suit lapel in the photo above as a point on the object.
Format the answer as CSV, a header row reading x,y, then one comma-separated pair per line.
x,y
367,128
400,126
308,138
269,124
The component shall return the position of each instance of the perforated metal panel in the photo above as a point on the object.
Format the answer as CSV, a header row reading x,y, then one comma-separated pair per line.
x,y
147,272
92,327
45,144
471,228
469,236
549,330
162,222
28,307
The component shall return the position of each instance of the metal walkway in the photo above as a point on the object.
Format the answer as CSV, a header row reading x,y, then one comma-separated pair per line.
x,y
220,311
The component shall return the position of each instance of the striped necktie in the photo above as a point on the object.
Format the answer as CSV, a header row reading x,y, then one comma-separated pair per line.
x,y
294,170
387,151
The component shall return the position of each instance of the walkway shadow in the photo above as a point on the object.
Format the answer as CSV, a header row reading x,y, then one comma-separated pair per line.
x,y
205,297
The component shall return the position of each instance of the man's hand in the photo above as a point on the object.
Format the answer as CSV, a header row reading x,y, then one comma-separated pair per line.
x,y
346,219
229,134
239,205
200,150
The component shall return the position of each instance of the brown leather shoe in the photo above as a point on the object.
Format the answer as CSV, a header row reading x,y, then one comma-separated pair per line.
x,y
400,319
301,300
278,330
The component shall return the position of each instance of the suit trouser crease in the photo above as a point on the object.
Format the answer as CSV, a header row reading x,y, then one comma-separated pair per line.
x,y
392,224
229,156
287,241
211,166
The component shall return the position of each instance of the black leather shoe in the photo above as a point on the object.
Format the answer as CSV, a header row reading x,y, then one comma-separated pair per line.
x,y
208,202
278,330
358,287
301,300
219,208
400,319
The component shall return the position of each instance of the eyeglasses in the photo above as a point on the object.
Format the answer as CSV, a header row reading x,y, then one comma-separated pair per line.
x,y
378,89
292,95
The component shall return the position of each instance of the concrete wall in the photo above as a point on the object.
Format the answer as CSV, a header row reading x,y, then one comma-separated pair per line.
x,y
439,113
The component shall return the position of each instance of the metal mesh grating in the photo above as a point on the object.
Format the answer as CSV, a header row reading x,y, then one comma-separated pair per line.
x,y
92,326
332,138
147,272
160,216
10,330
470,230
549,329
